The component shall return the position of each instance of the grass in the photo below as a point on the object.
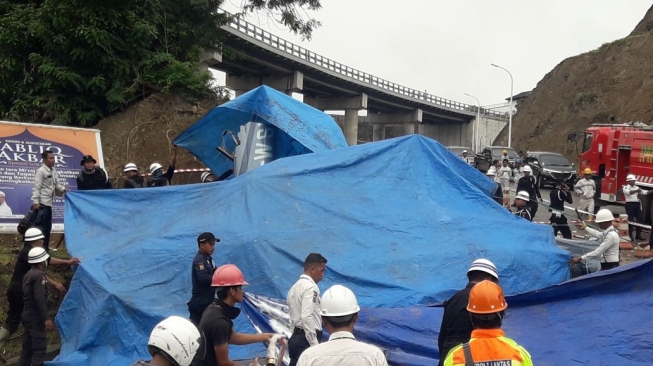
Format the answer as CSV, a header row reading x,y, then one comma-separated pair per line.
x,y
10,246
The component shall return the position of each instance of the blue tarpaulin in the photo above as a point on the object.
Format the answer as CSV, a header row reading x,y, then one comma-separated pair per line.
x,y
399,221
304,128
600,319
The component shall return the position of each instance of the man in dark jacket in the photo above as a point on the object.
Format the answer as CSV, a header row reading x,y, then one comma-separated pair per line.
x,y
133,179
159,178
201,273
559,195
528,183
456,327
92,177
35,316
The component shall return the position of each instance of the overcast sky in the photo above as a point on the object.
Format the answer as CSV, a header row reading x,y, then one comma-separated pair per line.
x,y
446,47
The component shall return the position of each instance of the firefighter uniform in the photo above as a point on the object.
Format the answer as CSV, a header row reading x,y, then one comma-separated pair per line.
x,y
35,296
586,189
202,293
489,347
558,219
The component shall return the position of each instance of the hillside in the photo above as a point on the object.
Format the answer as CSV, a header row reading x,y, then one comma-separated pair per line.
x,y
613,80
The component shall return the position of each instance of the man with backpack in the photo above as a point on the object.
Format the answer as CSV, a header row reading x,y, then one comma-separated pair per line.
x,y
133,179
92,177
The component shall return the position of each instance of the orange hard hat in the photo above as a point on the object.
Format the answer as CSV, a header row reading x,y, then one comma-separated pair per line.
x,y
486,297
228,275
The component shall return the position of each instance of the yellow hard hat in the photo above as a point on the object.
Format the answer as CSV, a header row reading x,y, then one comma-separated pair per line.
x,y
587,171
505,151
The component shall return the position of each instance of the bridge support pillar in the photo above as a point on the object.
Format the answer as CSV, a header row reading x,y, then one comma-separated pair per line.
x,y
351,107
378,132
409,128
351,126
287,84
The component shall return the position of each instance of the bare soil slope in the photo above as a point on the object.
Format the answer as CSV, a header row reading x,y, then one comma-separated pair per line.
x,y
614,80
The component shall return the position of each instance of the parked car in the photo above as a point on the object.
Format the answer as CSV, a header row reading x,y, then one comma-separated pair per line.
x,y
549,167
484,160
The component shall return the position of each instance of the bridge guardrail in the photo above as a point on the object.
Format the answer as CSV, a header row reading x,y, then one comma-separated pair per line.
x,y
318,60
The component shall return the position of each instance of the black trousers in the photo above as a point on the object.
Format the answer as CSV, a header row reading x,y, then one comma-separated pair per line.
x,y
297,344
606,266
534,205
34,343
560,224
44,222
196,311
15,311
634,211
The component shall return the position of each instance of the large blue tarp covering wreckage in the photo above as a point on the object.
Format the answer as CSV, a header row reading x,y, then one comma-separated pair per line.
x,y
298,128
399,220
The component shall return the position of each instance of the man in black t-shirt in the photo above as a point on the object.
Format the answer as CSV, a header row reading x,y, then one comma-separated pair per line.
x,y
217,321
33,238
92,177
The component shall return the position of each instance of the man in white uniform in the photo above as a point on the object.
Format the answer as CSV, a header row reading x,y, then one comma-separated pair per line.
x,y
5,210
586,189
305,310
466,158
633,205
339,315
608,251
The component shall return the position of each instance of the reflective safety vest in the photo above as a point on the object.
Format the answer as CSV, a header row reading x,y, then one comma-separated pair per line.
x,y
488,347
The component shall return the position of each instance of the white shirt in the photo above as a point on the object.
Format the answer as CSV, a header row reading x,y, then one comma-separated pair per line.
x,y
585,188
504,176
5,210
631,193
46,185
468,159
343,349
305,309
608,250
518,173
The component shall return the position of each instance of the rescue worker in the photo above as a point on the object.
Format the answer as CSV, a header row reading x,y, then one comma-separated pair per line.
x,y
498,194
528,183
468,160
608,251
46,185
504,178
520,154
202,270
559,195
133,179
456,327
586,189
304,308
33,239
159,178
35,316
208,177
217,321
504,156
92,177
517,171
633,205
523,209
175,341
495,166
339,315
488,345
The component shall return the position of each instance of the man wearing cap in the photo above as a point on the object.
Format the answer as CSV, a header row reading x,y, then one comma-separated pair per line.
x,y
133,179
217,321
35,316
608,250
456,326
488,345
633,205
339,315
467,159
201,272
5,210
586,189
304,308
523,209
92,177
46,185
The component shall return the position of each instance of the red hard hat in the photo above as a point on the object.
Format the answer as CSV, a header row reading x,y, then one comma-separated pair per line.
x,y
228,275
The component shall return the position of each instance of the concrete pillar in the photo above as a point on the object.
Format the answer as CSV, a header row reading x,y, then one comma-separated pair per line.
x,y
409,128
378,132
351,126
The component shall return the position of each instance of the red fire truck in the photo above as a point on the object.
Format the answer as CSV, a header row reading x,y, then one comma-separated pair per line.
x,y
613,151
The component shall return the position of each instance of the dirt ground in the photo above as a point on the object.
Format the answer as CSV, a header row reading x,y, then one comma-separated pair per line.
x,y
10,246
613,80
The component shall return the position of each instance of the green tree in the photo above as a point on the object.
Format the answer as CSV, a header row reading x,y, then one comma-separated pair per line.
x,y
75,61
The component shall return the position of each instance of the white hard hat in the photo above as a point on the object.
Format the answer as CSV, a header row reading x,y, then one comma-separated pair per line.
x,y
37,255
484,265
464,151
604,215
631,177
178,339
527,169
33,234
339,301
130,167
523,195
204,176
154,167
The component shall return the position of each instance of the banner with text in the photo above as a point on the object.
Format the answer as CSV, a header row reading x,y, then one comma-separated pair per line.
x,y
21,145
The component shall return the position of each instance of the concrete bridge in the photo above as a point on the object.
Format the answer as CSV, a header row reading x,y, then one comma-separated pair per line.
x,y
265,59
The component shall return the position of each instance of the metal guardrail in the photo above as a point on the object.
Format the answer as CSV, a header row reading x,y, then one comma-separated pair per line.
x,y
292,49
